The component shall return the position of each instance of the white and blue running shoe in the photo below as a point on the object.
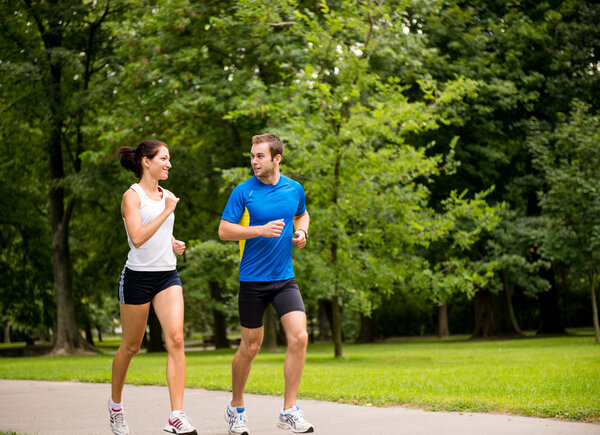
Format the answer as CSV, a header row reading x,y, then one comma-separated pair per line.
x,y
294,419
237,418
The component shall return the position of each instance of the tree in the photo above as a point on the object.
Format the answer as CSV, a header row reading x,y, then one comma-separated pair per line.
x,y
568,156
347,123
454,264
210,274
368,97
511,247
54,53
529,59
26,297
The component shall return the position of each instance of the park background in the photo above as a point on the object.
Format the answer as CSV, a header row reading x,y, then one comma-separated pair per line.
x,y
449,151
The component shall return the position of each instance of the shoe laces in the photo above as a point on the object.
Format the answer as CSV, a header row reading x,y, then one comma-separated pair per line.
x,y
240,417
297,414
185,420
119,417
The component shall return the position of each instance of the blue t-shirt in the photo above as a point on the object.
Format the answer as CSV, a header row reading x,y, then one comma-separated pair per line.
x,y
266,259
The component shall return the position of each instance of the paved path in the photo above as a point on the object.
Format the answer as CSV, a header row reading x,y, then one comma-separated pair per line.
x,y
38,407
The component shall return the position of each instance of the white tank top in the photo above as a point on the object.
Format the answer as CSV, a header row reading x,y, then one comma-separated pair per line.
x,y
157,253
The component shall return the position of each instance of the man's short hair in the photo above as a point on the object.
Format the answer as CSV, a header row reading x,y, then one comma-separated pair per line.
x,y
275,144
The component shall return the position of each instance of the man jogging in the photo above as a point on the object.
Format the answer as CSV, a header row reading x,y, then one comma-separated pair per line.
x,y
267,214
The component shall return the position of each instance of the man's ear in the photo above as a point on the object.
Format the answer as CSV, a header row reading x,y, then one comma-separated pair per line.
x,y
278,158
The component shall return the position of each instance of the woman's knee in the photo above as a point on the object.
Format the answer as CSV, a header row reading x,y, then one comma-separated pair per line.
x,y
175,341
130,349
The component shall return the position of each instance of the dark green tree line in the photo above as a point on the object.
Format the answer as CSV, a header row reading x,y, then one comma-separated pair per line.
x,y
407,122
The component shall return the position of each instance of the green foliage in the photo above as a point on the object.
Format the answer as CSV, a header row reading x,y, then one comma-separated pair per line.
x,y
390,111
448,268
26,294
208,265
26,299
569,157
524,59
346,122
56,68
513,246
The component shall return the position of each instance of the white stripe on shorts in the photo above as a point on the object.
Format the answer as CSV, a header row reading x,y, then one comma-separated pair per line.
x,y
121,282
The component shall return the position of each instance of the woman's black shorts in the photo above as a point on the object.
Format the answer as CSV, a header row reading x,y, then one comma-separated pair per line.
x,y
254,298
140,287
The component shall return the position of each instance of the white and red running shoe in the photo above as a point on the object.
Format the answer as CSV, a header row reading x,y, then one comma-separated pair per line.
x,y
179,423
117,421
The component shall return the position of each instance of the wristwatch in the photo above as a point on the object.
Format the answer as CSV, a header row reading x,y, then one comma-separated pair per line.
x,y
305,232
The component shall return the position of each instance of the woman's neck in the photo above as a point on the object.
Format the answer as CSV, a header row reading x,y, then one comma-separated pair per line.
x,y
149,184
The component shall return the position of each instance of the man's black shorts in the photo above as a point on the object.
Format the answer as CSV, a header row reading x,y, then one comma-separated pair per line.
x,y
254,298
140,287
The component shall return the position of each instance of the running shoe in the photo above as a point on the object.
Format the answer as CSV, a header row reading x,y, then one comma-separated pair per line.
x,y
237,418
294,420
117,421
180,424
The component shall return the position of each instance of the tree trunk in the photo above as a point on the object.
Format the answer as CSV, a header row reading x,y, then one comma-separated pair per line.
x,y
443,329
337,327
7,334
144,344
509,290
89,337
551,321
482,314
155,344
281,338
325,319
492,317
368,329
270,337
564,288
68,339
87,325
219,320
595,309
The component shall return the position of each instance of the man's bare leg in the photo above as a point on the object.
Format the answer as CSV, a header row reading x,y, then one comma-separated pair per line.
x,y
297,340
242,362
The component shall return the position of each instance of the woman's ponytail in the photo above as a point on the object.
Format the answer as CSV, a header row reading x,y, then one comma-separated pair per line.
x,y
131,160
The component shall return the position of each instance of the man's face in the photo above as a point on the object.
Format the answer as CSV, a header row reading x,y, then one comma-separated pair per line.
x,y
260,158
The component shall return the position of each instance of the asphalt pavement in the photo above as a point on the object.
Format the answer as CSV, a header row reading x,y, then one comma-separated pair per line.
x,y
40,407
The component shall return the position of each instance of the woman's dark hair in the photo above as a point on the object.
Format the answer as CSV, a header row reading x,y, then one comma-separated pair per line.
x,y
131,158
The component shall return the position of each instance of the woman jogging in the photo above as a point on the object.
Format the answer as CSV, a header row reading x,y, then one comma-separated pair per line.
x,y
150,276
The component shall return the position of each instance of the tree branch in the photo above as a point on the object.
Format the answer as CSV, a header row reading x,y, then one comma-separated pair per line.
x,y
280,24
38,22
68,212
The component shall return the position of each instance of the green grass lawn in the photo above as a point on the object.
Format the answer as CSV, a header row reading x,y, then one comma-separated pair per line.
x,y
545,377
